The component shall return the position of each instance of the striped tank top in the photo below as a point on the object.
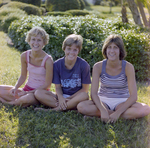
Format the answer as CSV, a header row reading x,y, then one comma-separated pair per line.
x,y
113,86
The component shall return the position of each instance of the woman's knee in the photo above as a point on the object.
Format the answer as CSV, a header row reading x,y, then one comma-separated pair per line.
x,y
38,94
81,107
139,110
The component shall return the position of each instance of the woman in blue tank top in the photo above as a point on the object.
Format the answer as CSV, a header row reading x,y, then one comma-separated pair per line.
x,y
117,95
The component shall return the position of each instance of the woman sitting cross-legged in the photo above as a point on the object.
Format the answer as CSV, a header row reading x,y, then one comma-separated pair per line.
x,y
40,67
117,94
71,77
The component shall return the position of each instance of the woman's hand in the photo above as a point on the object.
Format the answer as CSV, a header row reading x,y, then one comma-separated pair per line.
x,y
13,92
114,117
62,103
105,116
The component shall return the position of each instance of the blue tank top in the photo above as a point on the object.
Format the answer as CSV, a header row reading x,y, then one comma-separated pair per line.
x,y
113,86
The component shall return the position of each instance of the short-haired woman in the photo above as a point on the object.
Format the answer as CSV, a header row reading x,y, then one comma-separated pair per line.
x,y
71,77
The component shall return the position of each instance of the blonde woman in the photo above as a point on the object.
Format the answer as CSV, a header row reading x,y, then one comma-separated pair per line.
x,y
40,68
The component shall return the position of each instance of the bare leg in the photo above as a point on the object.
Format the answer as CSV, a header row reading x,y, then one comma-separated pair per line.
x,y
25,100
72,103
137,110
46,98
5,95
89,108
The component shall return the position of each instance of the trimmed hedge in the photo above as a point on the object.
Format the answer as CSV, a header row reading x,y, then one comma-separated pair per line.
x,y
33,2
58,13
94,32
8,15
63,5
28,8
78,12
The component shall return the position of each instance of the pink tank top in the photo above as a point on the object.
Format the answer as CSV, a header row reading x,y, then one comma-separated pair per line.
x,y
37,74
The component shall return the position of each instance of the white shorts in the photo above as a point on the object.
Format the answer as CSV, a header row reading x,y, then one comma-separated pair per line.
x,y
66,96
112,102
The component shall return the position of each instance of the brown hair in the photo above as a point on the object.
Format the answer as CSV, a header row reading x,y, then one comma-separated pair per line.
x,y
73,39
116,39
36,31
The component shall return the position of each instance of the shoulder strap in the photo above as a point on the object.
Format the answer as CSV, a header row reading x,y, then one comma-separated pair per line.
x,y
104,66
123,65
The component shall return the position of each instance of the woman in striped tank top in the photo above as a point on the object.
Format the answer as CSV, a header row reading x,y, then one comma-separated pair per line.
x,y
117,95
39,65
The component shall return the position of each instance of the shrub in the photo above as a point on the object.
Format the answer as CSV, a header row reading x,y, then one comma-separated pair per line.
x,y
78,12
33,2
63,5
82,4
43,10
58,13
9,15
94,32
86,3
28,8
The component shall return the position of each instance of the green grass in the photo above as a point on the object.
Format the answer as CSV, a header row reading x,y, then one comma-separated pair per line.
x,y
26,128
104,11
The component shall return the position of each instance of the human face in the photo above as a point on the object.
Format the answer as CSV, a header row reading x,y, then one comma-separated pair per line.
x,y
113,52
71,52
36,43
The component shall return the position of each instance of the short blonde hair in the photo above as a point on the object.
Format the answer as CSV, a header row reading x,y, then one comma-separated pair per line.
x,y
73,39
37,31
116,39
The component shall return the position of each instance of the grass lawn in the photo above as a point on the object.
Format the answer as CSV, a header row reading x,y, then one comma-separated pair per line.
x,y
26,128
116,11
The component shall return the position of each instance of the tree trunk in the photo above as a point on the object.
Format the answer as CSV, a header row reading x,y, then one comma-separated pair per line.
x,y
135,12
142,13
124,14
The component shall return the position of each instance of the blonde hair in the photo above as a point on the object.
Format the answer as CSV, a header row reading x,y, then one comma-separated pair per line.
x,y
116,39
73,39
37,31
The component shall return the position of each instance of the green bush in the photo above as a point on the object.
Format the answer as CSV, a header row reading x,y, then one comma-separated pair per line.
x,y
78,12
94,32
82,4
8,15
59,13
43,10
63,5
28,8
33,2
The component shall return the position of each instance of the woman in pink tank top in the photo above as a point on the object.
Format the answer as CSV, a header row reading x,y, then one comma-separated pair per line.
x,y
39,67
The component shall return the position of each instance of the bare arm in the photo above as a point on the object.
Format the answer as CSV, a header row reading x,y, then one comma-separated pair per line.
x,y
61,99
23,75
94,91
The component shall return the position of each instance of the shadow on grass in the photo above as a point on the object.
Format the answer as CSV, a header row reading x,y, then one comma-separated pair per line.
x,y
69,129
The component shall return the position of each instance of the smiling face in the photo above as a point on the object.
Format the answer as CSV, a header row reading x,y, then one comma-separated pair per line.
x,y
36,43
71,52
113,52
